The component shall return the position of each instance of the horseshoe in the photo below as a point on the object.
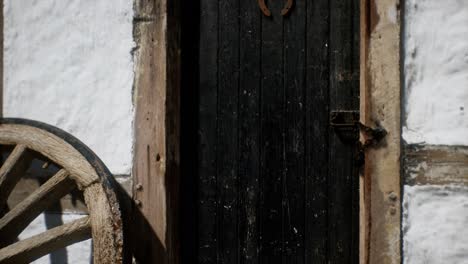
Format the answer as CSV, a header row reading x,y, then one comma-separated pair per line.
x,y
267,11
287,8
264,8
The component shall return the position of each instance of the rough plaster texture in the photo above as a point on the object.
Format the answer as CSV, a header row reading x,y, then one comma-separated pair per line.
x,y
69,64
434,224
436,72
79,253
436,101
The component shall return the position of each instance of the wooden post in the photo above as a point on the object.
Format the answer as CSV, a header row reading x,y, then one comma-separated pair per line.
x,y
1,59
364,186
380,104
156,156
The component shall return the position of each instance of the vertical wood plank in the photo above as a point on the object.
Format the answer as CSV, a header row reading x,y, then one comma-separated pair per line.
x,y
355,98
249,131
382,104
293,214
364,184
344,95
208,96
317,147
273,137
227,129
150,134
156,156
266,150
1,59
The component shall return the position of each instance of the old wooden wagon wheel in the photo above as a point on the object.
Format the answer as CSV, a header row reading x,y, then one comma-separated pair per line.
x,y
79,168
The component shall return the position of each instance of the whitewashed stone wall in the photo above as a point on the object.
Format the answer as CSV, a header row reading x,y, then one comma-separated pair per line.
x,y
69,64
435,218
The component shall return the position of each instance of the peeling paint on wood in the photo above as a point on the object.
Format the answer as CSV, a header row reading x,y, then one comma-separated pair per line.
x,y
436,165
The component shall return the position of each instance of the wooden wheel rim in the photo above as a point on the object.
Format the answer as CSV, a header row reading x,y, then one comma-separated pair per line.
x,y
79,163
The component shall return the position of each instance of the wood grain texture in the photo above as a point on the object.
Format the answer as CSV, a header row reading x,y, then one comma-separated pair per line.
x,y
380,103
10,172
435,165
364,104
32,248
100,197
294,85
207,130
1,60
343,187
227,130
156,156
272,140
102,224
265,170
22,214
150,141
249,131
317,146
70,203
51,146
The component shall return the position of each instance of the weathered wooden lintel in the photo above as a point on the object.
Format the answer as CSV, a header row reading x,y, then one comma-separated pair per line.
x,y
435,165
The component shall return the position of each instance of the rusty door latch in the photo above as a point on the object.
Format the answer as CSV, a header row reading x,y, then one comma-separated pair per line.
x,y
347,125
267,12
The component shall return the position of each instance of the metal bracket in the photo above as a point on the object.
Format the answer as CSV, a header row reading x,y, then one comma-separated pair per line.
x,y
345,125
348,126
373,135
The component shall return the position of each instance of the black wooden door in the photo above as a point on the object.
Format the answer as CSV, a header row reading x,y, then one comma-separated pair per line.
x,y
265,179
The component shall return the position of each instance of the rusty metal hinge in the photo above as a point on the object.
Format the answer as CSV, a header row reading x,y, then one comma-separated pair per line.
x,y
347,125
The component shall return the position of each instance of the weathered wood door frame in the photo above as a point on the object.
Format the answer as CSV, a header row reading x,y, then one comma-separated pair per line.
x,y
380,199
380,46
155,217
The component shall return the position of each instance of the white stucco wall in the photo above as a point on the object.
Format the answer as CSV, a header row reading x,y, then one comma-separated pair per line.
x,y
435,226
436,104
436,72
69,64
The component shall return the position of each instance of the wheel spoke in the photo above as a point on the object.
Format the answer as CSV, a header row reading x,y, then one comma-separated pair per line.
x,y
22,214
103,225
9,174
85,171
39,245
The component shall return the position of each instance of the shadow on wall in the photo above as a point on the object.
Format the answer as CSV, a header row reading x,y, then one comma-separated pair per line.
x,y
59,256
140,240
